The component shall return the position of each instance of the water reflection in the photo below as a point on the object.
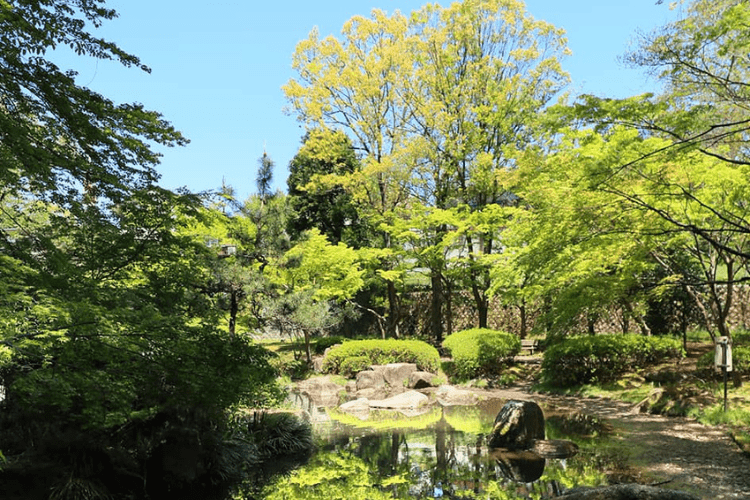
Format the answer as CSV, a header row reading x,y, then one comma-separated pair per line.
x,y
441,453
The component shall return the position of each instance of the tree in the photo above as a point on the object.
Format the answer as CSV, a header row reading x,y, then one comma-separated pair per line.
x,y
701,58
352,84
316,203
485,71
109,355
435,103
56,137
318,274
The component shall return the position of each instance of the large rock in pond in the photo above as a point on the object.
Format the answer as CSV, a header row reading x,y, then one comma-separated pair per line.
x,y
517,425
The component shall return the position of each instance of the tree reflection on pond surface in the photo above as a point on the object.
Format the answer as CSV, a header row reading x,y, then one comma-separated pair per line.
x,y
442,452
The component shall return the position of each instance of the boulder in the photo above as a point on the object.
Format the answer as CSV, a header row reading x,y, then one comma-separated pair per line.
x,y
357,405
370,379
321,390
517,425
554,448
403,401
626,492
397,374
372,393
448,395
421,380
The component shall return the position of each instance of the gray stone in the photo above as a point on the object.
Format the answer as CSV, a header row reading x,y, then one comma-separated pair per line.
x,y
448,395
554,448
421,380
370,379
372,393
357,405
397,374
321,390
406,400
517,425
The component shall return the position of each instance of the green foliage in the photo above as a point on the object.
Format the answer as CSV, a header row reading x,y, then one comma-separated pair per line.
x,y
579,360
354,364
325,155
380,352
481,351
324,343
332,476
57,135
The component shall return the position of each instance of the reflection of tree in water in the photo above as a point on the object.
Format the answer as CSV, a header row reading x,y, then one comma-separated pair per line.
x,y
409,463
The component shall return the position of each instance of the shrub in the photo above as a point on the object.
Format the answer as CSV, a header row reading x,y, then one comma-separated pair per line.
x,y
480,351
355,355
324,343
584,359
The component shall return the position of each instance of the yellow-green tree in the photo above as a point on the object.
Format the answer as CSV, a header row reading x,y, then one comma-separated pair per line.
x,y
433,103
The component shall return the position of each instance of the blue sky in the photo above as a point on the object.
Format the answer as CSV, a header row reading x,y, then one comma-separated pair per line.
x,y
218,67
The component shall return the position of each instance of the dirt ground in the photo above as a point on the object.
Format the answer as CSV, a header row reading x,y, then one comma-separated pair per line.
x,y
675,452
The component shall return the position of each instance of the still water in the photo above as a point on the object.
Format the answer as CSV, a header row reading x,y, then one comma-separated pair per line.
x,y
439,453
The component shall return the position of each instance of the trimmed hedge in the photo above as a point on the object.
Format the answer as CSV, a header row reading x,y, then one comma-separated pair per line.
x,y
602,358
480,351
356,355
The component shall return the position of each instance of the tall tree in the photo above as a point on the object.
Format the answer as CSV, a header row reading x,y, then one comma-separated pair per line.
x,y
315,192
352,84
434,102
486,70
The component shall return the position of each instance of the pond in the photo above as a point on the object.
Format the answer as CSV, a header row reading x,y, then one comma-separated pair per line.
x,y
440,452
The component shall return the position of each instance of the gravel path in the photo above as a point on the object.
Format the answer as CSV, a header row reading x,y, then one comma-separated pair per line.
x,y
685,454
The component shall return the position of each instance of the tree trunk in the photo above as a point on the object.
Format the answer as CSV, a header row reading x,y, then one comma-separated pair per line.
x,y
393,311
436,309
234,308
522,314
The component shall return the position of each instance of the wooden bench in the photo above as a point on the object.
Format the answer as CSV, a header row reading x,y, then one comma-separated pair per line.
x,y
529,345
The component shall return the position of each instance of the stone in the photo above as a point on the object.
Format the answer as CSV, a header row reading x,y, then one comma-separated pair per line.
x,y
448,395
322,391
421,380
357,405
397,374
372,393
406,400
370,379
554,448
626,492
517,425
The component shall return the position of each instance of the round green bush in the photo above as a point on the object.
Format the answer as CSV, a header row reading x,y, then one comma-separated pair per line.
x,y
480,351
355,355
601,358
